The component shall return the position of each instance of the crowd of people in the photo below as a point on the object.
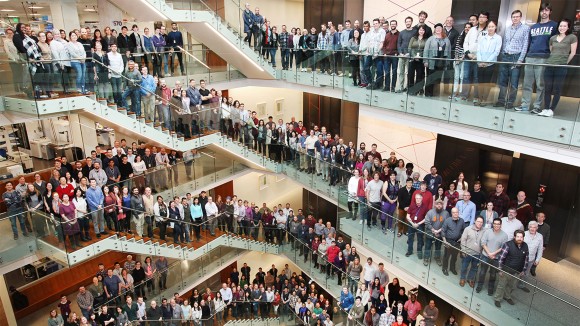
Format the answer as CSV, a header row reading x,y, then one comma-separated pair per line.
x,y
418,58
118,296
414,59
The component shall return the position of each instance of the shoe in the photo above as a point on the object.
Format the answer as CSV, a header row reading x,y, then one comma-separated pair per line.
x,y
88,238
454,272
425,262
478,289
462,283
445,272
498,105
536,111
360,222
408,254
98,235
546,113
521,109
419,255
497,304
472,284
399,235
525,289
438,261
490,293
510,301
15,237
533,271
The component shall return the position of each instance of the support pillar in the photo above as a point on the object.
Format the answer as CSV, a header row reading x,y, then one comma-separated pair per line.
x,y
64,14
110,15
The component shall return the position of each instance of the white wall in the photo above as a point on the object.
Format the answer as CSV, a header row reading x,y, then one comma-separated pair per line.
x,y
437,10
251,96
287,12
281,192
411,144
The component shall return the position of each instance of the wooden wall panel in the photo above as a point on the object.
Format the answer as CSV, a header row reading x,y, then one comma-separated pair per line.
x,y
51,287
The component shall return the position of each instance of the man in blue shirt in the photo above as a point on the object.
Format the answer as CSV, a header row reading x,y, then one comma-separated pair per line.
x,y
148,93
112,285
174,40
433,180
95,198
538,52
466,208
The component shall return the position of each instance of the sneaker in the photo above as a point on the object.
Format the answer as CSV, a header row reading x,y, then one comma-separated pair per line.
x,y
510,301
478,289
546,113
497,304
498,105
536,111
408,254
360,222
425,262
521,108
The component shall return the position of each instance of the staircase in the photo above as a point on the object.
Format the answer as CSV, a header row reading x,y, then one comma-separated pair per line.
x,y
206,27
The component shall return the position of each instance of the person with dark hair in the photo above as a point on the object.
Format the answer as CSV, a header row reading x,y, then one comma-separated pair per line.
x,y
422,18
513,261
416,74
562,50
458,65
538,52
470,45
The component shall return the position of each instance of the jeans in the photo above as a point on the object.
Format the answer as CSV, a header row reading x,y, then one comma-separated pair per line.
x,y
366,63
179,58
533,74
509,76
553,82
363,208
273,56
98,221
492,273
80,71
116,87
166,115
429,239
469,79
135,94
14,215
380,76
390,69
458,77
285,55
411,238
468,260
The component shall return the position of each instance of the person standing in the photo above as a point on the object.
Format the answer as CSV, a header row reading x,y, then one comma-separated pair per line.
x,y
416,219
514,49
387,65
13,201
471,247
433,227
147,92
510,223
470,77
403,50
116,67
562,50
133,88
535,242
491,243
373,197
248,17
513,262
488,49
452,231
544,230
538,52
174,42
436,47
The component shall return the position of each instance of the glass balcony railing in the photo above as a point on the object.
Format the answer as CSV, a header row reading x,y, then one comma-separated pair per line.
x,y
56,236
25,90
529,308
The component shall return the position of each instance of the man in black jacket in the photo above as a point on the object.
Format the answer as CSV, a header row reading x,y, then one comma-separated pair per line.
x,y
513,261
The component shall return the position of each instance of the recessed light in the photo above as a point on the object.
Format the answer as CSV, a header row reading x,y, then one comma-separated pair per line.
x,y
90,10
34,14
7,10
35,7
12,16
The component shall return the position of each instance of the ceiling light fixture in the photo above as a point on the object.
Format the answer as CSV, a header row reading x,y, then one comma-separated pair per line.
x,y
7,10
34,7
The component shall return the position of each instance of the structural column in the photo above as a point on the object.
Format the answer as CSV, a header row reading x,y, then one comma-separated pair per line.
x,y
64,14
110,15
